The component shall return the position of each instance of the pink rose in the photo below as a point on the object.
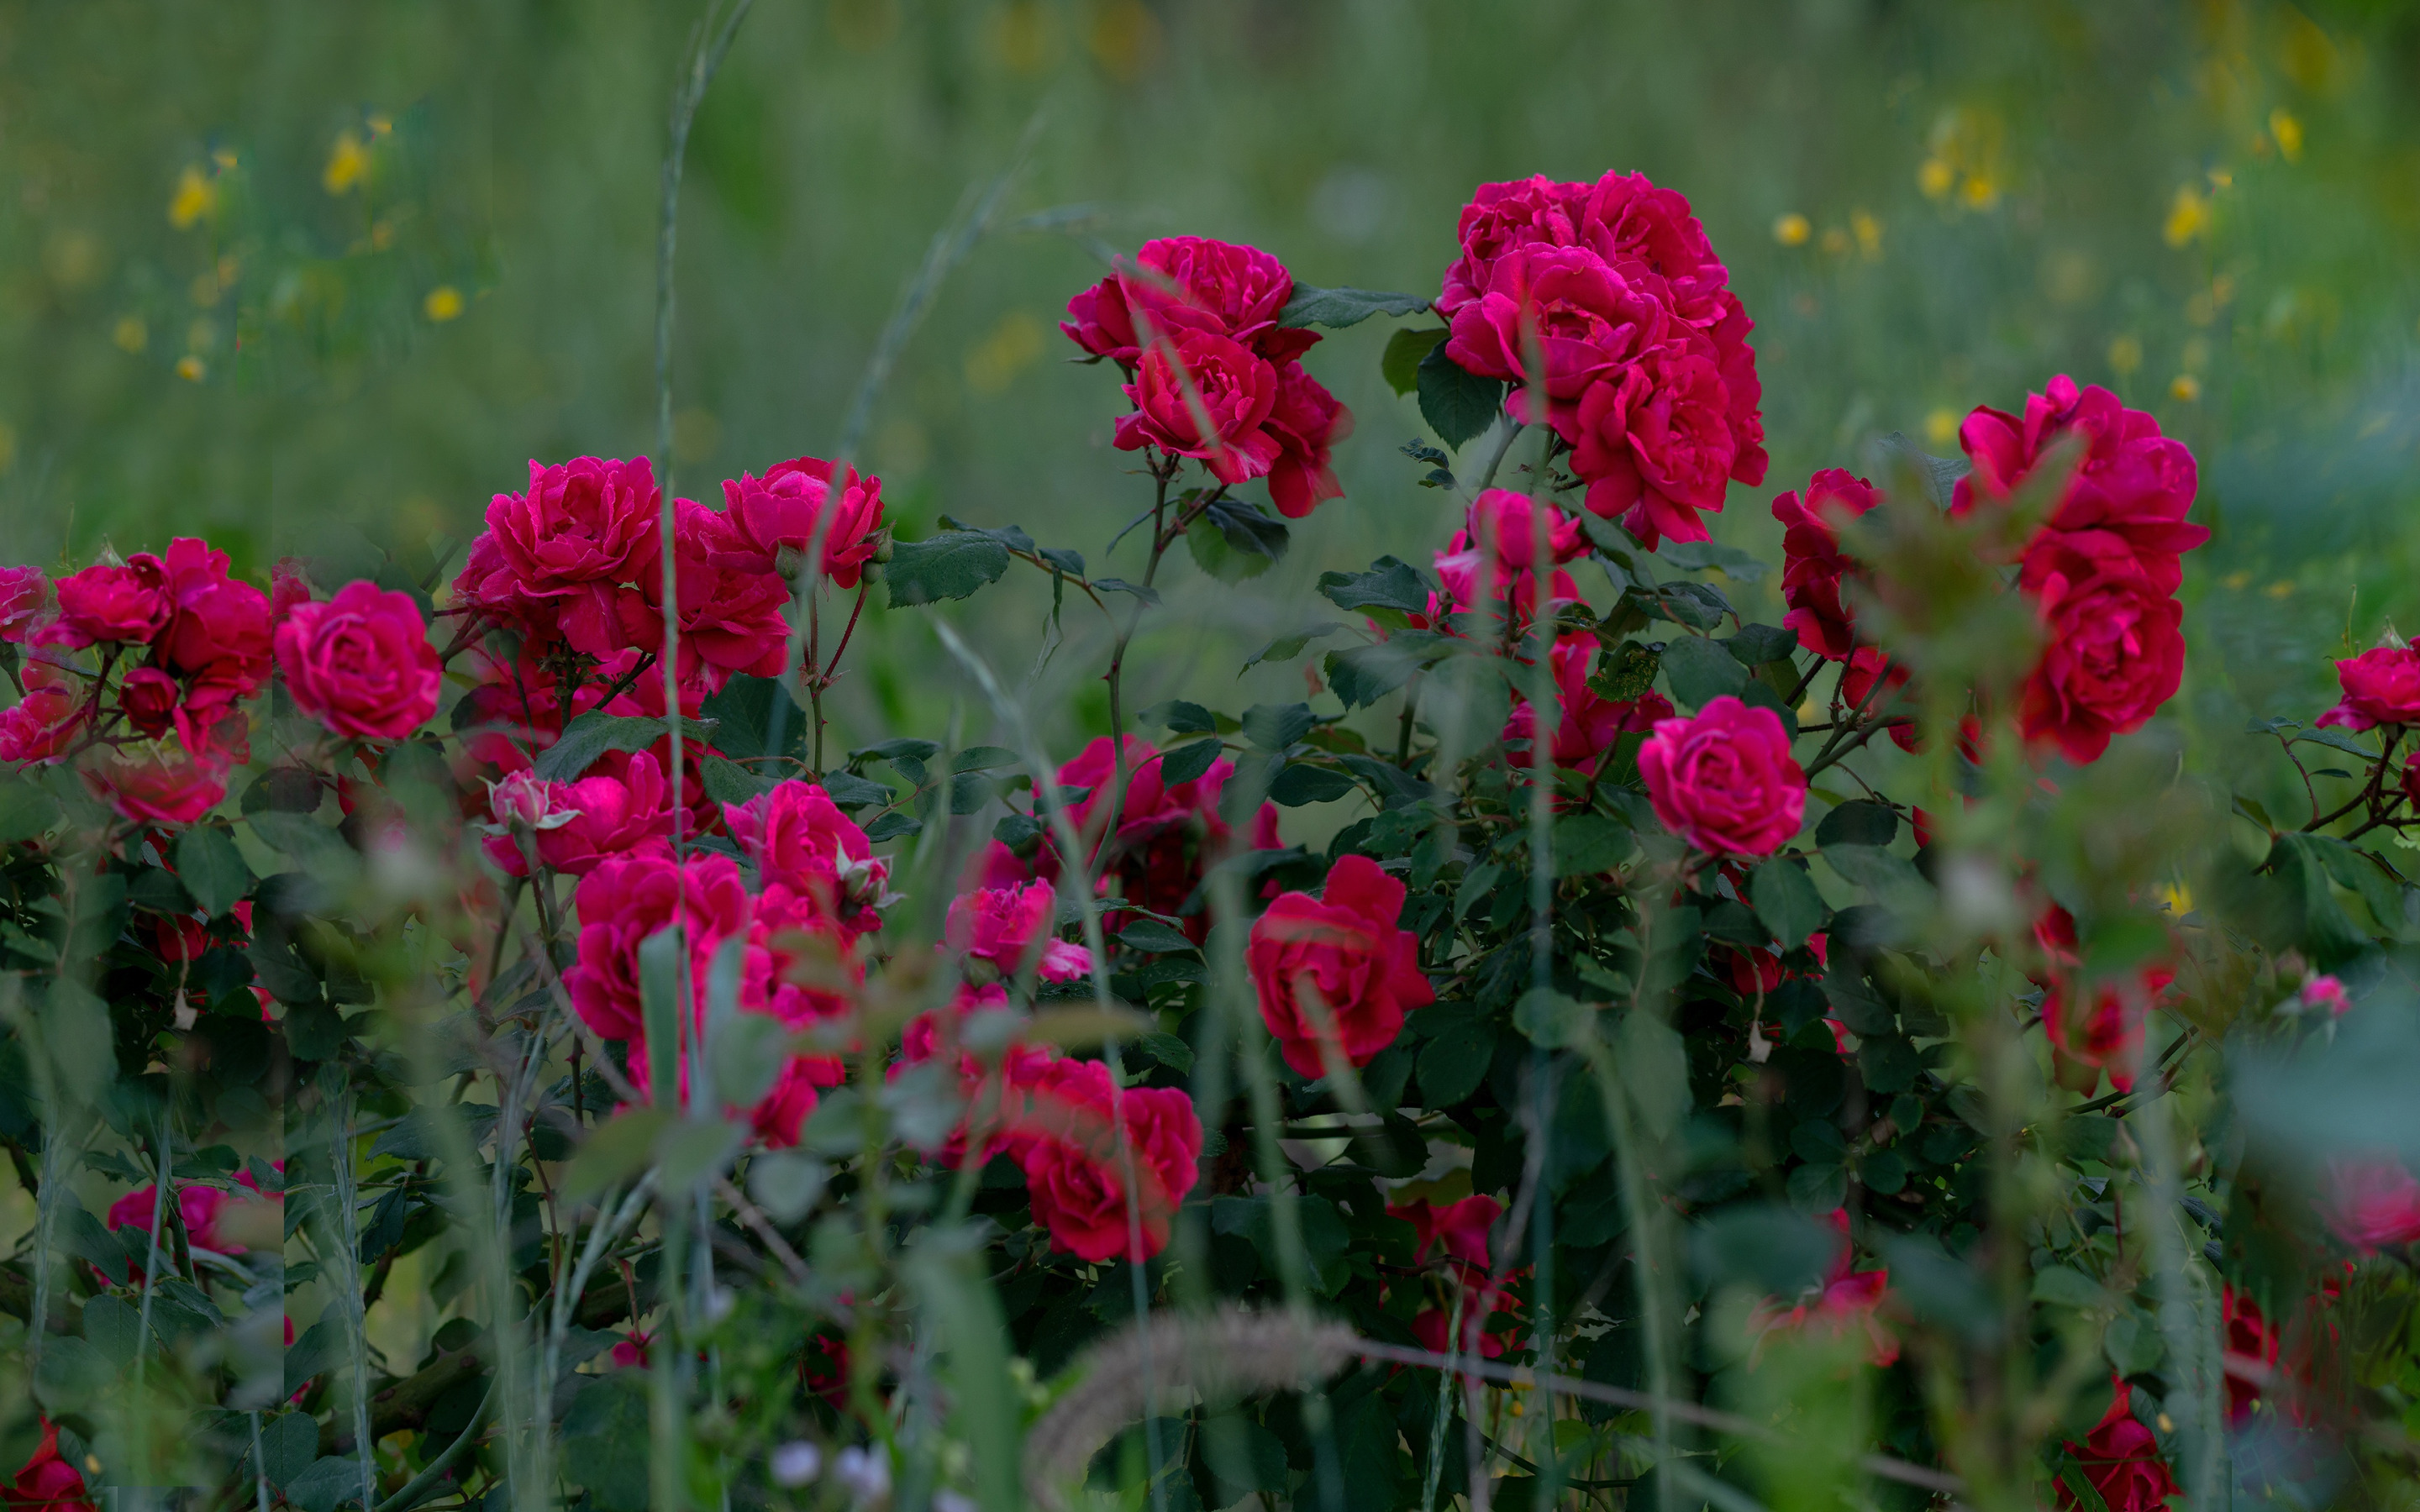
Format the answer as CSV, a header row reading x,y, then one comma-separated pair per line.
x,y
629,898
2371,1203
575,826
1204,372
2132,481
2102,1030
1501,523
38,728
1585,321
2112,652
49,1482
24,599
2328,993
290,584
1475,580
1725,780
1336,974
361,663
588,520
1623,218
157,789
1813,564
1010,928
730,617
199,1205
1075,1131
109,602
798,837
1178,283
148,696
1306,419
993,1089
1656,444
218,627
2121,1459
1525,212
2381,686
1846,1300
777,516
1858,687
1586,723
1735,360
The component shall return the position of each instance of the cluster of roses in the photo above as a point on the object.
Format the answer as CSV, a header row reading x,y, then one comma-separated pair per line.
x,y
137,669
1609,298
1193,324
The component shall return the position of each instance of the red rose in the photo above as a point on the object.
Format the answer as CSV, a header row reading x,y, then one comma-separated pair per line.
x,y
200,1207
1011,929
1463,1226
1626,219
1502,524
2371,1203
1846,1300
588,520
110,602
2252,1339
218,627
1180,284
780,1113
1336,974
2121,1459
1234,390
157,789
289,582
575,826
1813,563
629,898
1585,321
730,617
2112,652
2381,686
38,728
1736,361
800,967
798,837
2103,1031
2132,481
777,516
148,696
1858,687
48,1483
1586,723
1656,444
1306,419
1078,1134
25,600
1725,780
1474,580
361,663
1522,213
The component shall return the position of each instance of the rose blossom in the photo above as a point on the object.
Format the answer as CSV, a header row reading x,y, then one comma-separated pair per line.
x,y
2131,481
1502,524
730,617
361,663
1725,780
148,696
2104,1031
582,527
1009,927
1845,1301
775,518
797,836
1586,723
1656,444
200,1207
24,598
1463,1228
1857,682
1813,563
1179,283
2381,686
1305,421
575,826
218,627
157,789
2112,653
1229,386
290,584
629,898
1473,580
48,1483
2371,1203
2121,1459
1623,218
2326,992
1585,321
38,727
1337,973
110,602
1077,1130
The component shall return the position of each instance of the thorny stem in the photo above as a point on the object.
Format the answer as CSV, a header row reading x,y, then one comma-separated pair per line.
x,y
2368,794
1161,472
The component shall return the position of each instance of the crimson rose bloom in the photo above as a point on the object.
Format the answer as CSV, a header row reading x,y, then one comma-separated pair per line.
x,y
2112,653
148,696
361,663
730,617
2381,686
1181,283
38,727
48,1483
1623,218
1586,723
1336,974
157,790
1068,1132
776,516
2121,1459
551,558
218,629
1306,419
24,599
108,602
1813,563
629,898
1725,780
798,837
1233,387
1500,523
1585,319
2132,481
1474,580
2104,1032
1858,687
576,826
290,584
1656,444
1010,928
2371,1203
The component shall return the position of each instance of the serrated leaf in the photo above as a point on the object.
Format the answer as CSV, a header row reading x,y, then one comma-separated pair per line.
x,y
1302,783
1756,644
1287,647
849,791
1700,670
755,718
213,868
1390,583
1180,716
1786,902
1151,935
1588,845
1704,556
1337,308
2337,740
951,564
1276,727
1400,365
594,733
1861,822
983,759
1183,764
1458,404
1552,1021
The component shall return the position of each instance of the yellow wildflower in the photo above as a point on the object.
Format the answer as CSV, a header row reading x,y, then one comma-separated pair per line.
x,y
195,197
1792,230
443,303
347,163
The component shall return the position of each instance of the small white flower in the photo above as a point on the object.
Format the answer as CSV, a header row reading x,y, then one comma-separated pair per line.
x,y
864,1473
795,1463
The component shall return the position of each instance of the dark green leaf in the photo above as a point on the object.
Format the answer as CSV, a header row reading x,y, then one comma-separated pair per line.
x,y
594,733
1183,764
1233,539
26,811
1119,585
1400,364
1395,787
1756,644
1276,727
1787,901
1152,935
1390,583
1458,404
1452,1065
1700,670
849,791
1588,845
1361,675
1180,716
1287,647
1775,1250
952,564
727,781
1858,822
1552,1021
2337,740
755,718
890,825
1700,556
1302,783
983,759
1337,308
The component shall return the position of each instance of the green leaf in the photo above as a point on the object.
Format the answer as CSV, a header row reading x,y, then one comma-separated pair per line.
x,y
1390,584
332,1479
1778,1251
2067,1288
1183,764
1700,670
1151,935
1457,404
756,718
1276,727
1756,644
1786,901
786,1183
113,1328
1337,308
1400,364
950,1283
847,789
1858,822
319,1349
1588,845
1938,474
2133,1345
1552,1021
1180,718
289,1443
1452,1065
1302,783
594,733
983,759
951,564
1396,789
1361,675
1702,556
1287,647
2337,740
26,811
1892,879
1233,539
1167,1050
1655,1069
213,868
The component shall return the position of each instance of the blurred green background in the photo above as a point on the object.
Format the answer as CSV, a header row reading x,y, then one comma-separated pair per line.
x,y
267,268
